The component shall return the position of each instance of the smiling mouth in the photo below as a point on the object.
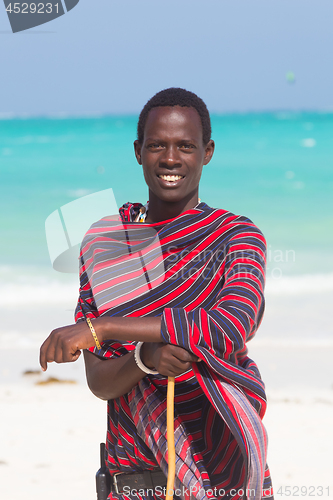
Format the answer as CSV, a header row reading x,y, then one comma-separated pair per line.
x,y
171,178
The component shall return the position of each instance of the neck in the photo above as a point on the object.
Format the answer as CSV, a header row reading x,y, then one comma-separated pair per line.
x,y
160,210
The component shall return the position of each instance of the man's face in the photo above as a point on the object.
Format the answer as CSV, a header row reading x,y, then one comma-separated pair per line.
x,y
172,153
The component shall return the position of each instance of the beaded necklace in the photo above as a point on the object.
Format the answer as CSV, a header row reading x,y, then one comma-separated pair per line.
x,y
143,212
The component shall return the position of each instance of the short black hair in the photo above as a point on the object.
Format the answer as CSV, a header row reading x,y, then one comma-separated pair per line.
x,y
176,97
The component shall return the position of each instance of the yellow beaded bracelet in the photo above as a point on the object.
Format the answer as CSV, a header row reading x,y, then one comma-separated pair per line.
x,y
92,329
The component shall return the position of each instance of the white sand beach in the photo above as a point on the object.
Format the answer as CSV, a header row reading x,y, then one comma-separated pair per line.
x,y
50,433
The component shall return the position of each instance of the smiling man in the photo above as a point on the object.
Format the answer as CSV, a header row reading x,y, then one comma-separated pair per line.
x,y
190,320
172,153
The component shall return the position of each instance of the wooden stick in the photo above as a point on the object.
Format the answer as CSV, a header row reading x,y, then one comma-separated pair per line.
x,y
171,438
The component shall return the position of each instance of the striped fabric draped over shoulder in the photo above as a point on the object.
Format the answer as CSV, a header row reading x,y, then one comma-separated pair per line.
x,y
203,272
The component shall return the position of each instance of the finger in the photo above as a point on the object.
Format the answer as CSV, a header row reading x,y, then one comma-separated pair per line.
x,y
51,347
69,352
193,358
58,352
76,355
186,356
173,372
42,354
179,366
183,354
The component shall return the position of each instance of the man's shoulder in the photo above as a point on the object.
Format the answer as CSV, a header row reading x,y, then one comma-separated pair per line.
x,y
225,217
101,229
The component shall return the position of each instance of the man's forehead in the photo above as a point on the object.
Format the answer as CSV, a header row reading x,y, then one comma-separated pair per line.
x,y
173,117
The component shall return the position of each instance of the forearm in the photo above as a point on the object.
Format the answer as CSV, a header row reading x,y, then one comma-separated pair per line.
x,y
111,378
65,344
137,329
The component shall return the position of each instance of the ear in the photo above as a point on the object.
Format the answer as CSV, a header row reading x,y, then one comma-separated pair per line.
x,y
209,150
137,151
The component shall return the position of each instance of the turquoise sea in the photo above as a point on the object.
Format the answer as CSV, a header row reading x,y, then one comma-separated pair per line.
x,y
275,168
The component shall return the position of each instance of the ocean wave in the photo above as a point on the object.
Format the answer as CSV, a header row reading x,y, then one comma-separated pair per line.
x,y
31,139
47,293
296,342
7,115
300,284
43,288
78,193
309,142
60,115
36,285
23,339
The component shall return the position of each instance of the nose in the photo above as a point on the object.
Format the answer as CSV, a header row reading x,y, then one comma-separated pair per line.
x,y
171,157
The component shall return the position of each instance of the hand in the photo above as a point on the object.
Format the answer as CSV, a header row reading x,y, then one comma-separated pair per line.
x,y
169,360
64,344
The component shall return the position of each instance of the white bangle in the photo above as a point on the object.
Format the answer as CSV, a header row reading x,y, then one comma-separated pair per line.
x,y
138,360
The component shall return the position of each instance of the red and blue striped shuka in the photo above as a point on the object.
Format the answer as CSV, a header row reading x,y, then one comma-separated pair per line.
x,y
203,272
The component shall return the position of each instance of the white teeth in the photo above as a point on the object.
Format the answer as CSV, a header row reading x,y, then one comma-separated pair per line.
x,y
171,178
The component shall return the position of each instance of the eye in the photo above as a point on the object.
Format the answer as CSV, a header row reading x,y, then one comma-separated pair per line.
x,y
187,146
154,146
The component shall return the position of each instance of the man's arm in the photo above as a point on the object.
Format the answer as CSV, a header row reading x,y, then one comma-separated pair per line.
x,y
65,344
111,378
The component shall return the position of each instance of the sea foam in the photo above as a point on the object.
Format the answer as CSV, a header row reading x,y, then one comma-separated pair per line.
x,y
39,289
300,284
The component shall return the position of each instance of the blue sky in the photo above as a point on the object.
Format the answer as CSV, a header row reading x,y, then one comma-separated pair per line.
x,y
107,56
